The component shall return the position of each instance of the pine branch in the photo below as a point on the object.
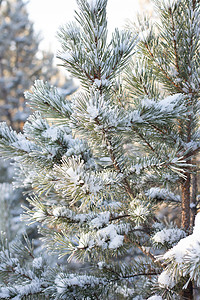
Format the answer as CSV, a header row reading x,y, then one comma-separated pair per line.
x,y
160,68
114,160
174,41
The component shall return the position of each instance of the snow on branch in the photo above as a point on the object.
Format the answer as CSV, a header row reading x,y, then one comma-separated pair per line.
x,y
12,143
182,260
48,101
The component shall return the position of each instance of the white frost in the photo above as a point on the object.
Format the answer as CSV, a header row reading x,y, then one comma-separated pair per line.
x,y
101,220
186,244
92,3
67,56
22,144
162,194
92,111
169,235
125,291
169,102
63,282
37,262
165,280
98,82
62,211
143,35
185,253
155,297
51,133
106,238
169,3
39,215
109,232
4,293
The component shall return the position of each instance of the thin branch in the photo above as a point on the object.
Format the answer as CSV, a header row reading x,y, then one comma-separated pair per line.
x,y
143,138
114,160
141,274
144,87
161,69
174,42
164,133
142,249
194,4
117,167
119,217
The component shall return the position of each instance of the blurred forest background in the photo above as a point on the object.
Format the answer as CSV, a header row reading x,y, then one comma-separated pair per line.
x,y
21,63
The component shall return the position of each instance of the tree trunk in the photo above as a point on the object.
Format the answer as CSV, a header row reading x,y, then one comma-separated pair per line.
x,y
193,204
187,294
185,197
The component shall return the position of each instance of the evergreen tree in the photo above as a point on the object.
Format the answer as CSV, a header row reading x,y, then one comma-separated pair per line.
x,y
102,164
21,62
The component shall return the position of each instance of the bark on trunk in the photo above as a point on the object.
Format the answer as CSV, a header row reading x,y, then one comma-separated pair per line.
x,y
185,197
193,211
188,293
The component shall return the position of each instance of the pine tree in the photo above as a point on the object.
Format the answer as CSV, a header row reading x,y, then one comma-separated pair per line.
x,y
102,164
21,61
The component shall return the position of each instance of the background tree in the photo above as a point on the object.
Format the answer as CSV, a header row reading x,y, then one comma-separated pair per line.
x,y
21,61
98,198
